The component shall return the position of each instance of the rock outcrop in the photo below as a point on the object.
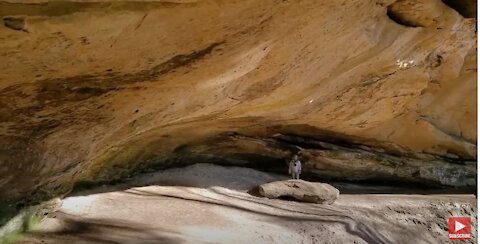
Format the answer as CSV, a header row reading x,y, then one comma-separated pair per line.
x,y
91,91
303,191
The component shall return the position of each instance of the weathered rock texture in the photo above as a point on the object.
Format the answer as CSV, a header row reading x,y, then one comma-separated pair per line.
x,y
367,89
300,190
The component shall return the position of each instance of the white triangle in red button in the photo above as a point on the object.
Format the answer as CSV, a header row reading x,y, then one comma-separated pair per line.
x,y
458,226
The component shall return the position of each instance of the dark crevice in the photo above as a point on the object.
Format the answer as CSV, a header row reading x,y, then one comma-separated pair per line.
x,y
329,143
466,8
399,18
17,23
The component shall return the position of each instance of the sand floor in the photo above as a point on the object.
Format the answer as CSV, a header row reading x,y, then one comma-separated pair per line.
x,y
206,203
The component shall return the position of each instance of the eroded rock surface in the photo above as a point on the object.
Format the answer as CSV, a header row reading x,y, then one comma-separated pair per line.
x,y
377,90
300,190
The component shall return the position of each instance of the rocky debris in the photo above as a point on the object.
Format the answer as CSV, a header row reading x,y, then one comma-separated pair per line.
x,y
301,190
17,23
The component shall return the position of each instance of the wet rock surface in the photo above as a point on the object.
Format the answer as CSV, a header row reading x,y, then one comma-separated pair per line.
x,y
302,191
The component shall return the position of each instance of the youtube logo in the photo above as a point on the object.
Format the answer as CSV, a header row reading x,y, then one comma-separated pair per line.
x,y
459,228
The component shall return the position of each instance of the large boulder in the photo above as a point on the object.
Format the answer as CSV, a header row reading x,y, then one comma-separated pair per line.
x,y
303,191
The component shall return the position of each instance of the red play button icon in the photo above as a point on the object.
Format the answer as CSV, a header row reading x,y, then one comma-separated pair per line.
x,y
459,228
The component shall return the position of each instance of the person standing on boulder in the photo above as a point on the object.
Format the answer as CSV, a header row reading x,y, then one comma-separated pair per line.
x,y
295,167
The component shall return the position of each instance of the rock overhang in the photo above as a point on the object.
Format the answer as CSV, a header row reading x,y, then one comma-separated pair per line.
x,y
103,88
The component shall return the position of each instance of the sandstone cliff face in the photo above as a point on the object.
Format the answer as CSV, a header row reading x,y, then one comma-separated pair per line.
x,y
365,90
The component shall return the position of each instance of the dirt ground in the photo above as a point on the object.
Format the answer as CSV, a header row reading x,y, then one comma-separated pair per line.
x,y
206,203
